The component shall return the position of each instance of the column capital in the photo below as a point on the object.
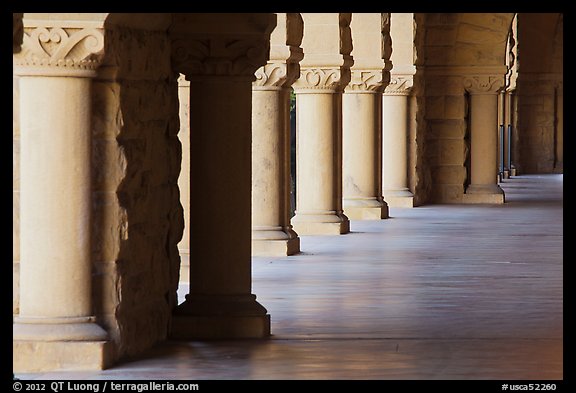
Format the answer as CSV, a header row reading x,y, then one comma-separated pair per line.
x,y
367,81
276,75
283,68
318,79
75,49
220,56
400,85
483,84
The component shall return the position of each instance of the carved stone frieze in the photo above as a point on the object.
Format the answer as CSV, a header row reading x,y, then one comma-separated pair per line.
x,y
483,84
219,56
60,51
331,79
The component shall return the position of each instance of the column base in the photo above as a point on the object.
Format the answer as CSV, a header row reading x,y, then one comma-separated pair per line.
x,y
506,174
220,317
329,223
49,344
513,172
399,198
484,193
365,209
42,356
268,247
219,327
274,241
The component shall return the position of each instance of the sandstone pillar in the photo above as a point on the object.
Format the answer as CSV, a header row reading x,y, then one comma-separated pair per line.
x,y
220,66
395,142
184,178
362,118
507,133
396,115
483,187
272,233
324,72
56,325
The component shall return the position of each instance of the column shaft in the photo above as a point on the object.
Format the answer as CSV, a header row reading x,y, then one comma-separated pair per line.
x,y
318,166
220,303
184,178
362,114
395,152
507,140
272,232
55,200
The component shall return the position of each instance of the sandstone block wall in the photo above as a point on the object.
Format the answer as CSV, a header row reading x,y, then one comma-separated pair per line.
x,y
419,179
137,216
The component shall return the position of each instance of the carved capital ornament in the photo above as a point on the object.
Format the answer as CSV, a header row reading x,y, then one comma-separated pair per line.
x,y
400,85
367,81
317,80
276,75
219,56
60,51
483,84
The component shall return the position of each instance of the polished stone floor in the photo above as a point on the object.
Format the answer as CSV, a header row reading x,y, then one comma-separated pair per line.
x,y
437,292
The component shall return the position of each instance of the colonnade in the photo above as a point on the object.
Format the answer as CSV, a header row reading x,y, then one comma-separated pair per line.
x,y
351,157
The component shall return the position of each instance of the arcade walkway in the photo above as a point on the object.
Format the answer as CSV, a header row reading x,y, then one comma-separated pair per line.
x,y
435,292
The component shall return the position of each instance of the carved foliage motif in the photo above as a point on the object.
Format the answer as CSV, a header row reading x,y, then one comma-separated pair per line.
x,y
74,48
219,56
483,84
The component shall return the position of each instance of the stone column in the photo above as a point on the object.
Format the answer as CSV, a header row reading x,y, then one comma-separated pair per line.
x,y
362,118
507,139
220,66
324,72
272,233
483,187
395,142
184,178
56,324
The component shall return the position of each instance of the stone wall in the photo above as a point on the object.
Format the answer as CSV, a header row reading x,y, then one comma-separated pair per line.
x,y
137,216
446,131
